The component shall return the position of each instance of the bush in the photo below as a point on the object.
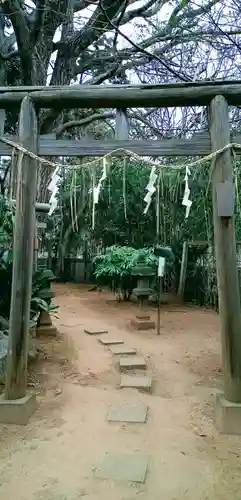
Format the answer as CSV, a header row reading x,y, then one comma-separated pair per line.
x,y
114,268
41,293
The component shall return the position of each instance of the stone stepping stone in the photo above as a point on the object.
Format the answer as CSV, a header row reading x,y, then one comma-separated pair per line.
x,y
132,363
108,340
142,383
123,467
128,413
91,331
122,349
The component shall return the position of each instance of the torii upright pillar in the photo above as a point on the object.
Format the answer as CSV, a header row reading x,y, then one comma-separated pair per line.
x,y
228,408
16,405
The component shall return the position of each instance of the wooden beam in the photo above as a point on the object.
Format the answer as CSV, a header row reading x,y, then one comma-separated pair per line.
x,y
197,84
119,96
41,225
183,272
36,88
39,207
198,145
2,121
226,257
121,125
2,125
42,207
24,228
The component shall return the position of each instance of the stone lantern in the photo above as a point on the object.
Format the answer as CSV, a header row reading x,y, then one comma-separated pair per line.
x,y
46,326
144,275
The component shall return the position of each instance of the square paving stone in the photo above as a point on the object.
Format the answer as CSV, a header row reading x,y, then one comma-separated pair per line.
x,y
124,467
108,340
132,363
91,331
122,349
128,413
136,382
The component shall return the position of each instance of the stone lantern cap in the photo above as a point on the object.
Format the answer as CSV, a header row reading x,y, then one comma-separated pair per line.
x,y
141,268
144,272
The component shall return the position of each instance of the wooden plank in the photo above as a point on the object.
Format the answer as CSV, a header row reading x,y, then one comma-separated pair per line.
x,y
226,257
226,199
24,229
35,88
198,145
183,272
41,225
2,125
118,96
39,207
205,242
2,121
121,125
198,243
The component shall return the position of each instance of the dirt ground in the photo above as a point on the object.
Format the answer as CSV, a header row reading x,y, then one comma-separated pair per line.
x,y
76,380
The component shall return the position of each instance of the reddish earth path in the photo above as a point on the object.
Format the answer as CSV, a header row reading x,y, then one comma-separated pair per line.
x,y
55,456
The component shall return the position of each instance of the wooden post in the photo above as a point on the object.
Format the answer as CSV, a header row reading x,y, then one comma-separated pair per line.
x,y
49,250
159,294
16,378
183,272
2,121
2,125
122,133
225,248
39,207
121,125
158,208
35,249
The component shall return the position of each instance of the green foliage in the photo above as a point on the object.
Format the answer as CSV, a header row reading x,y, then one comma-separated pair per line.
x,y
6,231
41,280
41,294
6,221
111,225
114,268
6,281
135,229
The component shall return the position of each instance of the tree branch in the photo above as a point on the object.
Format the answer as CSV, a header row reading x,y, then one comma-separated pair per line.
x,y
97,80
19,22
103,116
118,23
83,122
38,21
92,31
103,57
150,55
148,10
82,4
13,9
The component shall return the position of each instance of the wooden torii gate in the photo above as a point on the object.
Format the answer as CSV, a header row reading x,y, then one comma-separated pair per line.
x,y
217,96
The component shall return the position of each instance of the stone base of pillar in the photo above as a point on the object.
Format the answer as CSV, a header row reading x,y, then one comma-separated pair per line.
x,y
143,322
46,326
32,350
227,415
17,411
45,318
46,331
